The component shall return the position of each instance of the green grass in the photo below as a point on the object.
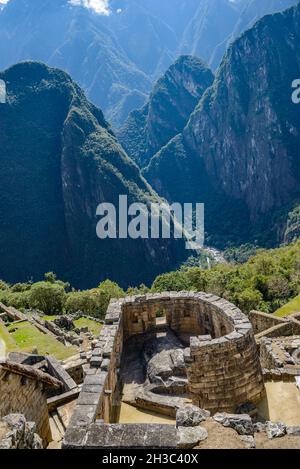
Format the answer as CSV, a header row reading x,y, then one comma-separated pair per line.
x,y
292,307
49,318
94,327
27,337
7,338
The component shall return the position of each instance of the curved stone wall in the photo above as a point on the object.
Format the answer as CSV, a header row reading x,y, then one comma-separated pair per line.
x,y
222,361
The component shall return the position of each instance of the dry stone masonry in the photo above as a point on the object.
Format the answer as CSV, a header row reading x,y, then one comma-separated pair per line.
x,y
23,389
220,355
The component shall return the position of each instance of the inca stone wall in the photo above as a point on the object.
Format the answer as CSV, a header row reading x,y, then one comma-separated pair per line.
x,y
20,394
263,321
222,361
268,325
281,355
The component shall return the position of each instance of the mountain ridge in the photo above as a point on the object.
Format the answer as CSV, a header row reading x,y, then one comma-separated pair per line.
x,y
172,100
101,53
242,138
59,161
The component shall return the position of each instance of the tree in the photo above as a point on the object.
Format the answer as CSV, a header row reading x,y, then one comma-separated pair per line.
x,y
50,277
89,302
172,281
47,297
248,300
109,290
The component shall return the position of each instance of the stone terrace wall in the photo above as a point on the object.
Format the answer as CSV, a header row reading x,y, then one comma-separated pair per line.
x,y
268,325
262,321
281,354
99,396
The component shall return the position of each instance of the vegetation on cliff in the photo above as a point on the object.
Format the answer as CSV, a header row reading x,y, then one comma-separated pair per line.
x,y
59,160
173,99
239,152
266,282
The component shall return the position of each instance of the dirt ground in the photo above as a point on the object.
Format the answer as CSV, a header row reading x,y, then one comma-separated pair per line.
x,y
286,442
281,403
130,414
220,437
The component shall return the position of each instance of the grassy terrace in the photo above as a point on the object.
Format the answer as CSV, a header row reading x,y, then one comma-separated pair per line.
x,y
7,338
25,337
93,326
292,307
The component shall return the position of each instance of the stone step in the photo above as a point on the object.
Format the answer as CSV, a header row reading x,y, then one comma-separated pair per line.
x,y
58,423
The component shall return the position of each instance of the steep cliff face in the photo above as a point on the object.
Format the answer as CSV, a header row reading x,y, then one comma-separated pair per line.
x,y
292,229
248,12
173,99
58,161
247,128
245,133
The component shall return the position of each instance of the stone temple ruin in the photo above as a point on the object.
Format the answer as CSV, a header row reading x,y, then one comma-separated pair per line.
x,y
204,352
183,356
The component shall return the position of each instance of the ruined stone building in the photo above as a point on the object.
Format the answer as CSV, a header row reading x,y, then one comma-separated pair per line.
x,y
24,390
188,356
218,353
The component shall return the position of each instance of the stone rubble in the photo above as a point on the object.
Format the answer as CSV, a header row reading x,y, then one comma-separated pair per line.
x,y
259,427
17,433
189,437
249,441
275,430
293,431
190,416
241,423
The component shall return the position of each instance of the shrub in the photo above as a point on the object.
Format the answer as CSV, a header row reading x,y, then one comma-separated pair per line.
x,y
109,290
47,297
86,301
172,281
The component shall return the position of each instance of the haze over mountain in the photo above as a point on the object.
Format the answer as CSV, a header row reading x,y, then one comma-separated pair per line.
x,y
117,56
173,99
239,152
59,160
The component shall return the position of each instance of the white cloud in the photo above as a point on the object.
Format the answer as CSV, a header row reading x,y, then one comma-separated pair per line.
x,y
99,6
4,1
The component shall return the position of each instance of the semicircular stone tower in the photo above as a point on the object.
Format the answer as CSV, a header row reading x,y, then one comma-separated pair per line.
x,y
221,357
223,366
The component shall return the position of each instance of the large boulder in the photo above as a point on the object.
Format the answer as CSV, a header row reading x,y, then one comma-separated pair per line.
x,y
165,365
241,423
190,416
189,437
275,430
